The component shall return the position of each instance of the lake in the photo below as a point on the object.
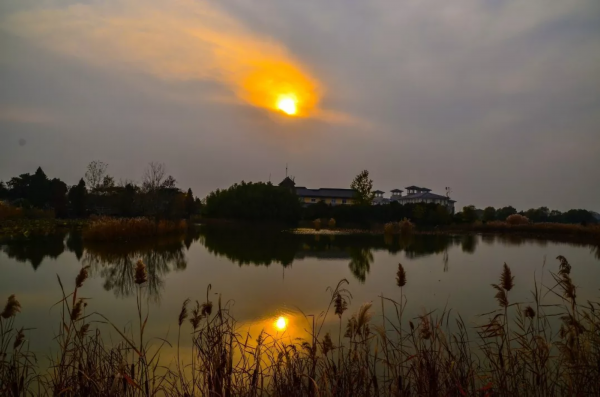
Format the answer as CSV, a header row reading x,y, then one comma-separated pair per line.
x,y
264,275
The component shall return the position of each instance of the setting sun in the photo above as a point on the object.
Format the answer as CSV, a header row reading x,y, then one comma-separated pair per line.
x,y
281,323
287,105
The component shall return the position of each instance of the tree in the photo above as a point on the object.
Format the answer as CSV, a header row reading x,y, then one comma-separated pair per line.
x,y
489,214
469,214
58,197
96,170
153,176
189,203
38,190
78,198
107,182
3,190
169,183
503,213
363,188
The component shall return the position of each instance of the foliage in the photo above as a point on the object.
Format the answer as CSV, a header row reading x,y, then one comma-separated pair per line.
x,y
253,202
363,188
505,212
489,214
516,219
404,227
469,215
78,198
317,224
111,229
331,223
95,174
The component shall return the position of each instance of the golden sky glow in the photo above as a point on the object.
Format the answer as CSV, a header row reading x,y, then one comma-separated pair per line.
x,y
186,40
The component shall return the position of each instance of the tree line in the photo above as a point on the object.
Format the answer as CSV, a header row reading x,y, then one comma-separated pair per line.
x,y
97,193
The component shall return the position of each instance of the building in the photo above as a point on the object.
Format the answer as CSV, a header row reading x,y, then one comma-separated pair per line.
x,y
415,195
330,196
333,196
378,198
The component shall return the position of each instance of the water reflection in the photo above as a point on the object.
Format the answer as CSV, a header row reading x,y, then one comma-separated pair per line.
x,y
34,249
114,262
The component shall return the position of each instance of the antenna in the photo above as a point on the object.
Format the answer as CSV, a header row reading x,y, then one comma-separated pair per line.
x,y
286,167
269,177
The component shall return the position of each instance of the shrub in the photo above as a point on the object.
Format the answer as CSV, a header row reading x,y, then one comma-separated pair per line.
x,y
516,219
406,226
9,212
111,229
317,224
331,223
391,228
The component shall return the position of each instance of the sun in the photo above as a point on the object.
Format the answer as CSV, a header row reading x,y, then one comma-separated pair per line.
x,y
287,105
281,323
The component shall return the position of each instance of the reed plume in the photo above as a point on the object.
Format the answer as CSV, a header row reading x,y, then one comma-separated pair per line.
x,y
77,310
507,279
183,313
327,344
12,307
341,305
81,277
529,312
19,339
501,295
425,330
401,276
196,316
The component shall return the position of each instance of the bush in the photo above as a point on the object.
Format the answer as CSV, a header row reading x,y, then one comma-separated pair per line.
x,y
111,229
391,228
331,223
317,224
406,226
516,219
9,212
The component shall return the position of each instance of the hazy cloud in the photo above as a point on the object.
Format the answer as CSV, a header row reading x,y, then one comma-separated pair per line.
x,y
496,98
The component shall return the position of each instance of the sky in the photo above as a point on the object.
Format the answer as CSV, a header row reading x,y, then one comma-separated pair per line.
x,y
497,99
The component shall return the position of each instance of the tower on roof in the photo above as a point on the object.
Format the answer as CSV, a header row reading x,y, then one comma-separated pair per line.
x,y
288,183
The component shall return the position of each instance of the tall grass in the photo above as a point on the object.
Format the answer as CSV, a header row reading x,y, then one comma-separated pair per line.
x,y
11,213
111,229
515,351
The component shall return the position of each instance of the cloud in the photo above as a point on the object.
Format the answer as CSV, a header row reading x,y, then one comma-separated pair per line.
x,y
182,40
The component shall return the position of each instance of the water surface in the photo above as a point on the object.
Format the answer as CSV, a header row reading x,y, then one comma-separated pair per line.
x,y
263,275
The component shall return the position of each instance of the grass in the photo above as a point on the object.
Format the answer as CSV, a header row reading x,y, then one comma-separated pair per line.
x,y
514,351
112,229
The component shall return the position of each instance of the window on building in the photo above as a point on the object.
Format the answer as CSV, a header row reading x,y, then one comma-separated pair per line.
x,y
343,201
332,201
312,200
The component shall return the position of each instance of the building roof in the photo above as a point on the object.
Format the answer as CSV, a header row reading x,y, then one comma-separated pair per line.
x,y
325,193
423,195
397,191
378,191
412,187
287,182
424,189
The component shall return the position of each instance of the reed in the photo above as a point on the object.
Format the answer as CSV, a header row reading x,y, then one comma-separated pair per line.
x,y
112,229
513,351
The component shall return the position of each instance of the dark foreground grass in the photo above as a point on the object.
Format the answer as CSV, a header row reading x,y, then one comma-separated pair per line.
x,y
515,352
